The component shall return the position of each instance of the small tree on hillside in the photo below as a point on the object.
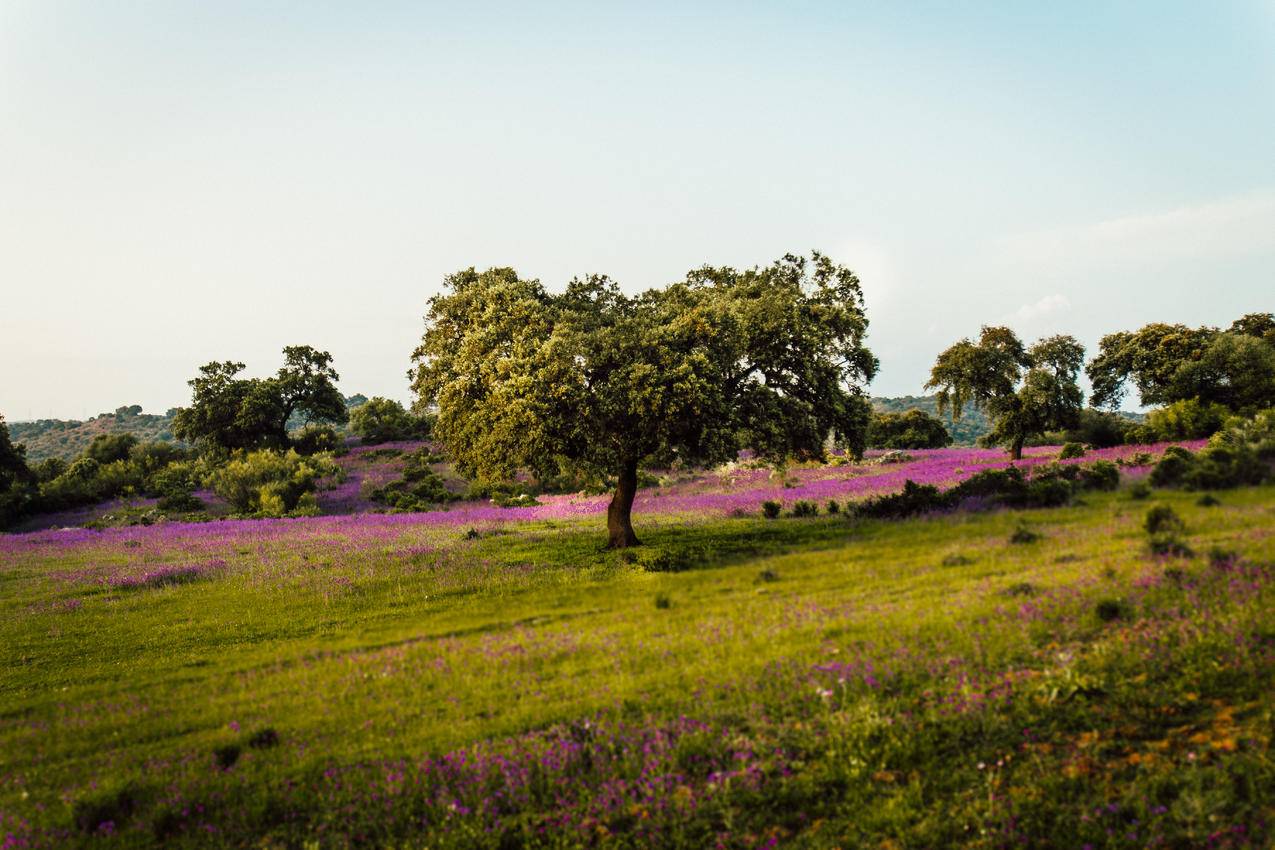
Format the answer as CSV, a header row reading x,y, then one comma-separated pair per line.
x,y
228,412
1025,391
596,381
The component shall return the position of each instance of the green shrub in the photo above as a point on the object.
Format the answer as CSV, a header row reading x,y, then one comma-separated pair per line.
x,y
1006,485
1100,429
179,502
383,420
1099,475
912,500
1164,529
1110,610
1140,490
834,507
1024,534
1071,450
108,448
1182,420
114,807
662,601
269,483
914,429
315,438
771,509
1161,519
421,487
803,508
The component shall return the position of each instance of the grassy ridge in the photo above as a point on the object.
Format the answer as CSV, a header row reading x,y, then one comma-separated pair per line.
x,y
809,681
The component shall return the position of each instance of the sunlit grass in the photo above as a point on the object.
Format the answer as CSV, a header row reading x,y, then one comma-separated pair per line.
x,y
426,641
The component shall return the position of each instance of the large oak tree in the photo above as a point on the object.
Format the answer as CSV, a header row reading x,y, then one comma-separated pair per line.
x,y
593,380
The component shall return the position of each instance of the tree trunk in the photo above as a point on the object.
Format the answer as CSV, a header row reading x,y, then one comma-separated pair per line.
x,y
619,512
1016,449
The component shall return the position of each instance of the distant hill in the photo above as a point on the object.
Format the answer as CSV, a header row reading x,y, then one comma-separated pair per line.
x,y
67,438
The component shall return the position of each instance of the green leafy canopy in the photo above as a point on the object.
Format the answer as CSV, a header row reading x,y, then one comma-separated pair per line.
x,y
769,358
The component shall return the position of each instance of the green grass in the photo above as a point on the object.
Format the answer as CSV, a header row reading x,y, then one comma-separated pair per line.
x,y
358,656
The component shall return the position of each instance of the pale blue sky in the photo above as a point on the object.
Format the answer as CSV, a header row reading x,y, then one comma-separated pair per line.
x,y
187,181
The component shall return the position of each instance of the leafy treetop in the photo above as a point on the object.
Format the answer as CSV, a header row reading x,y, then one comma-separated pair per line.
x,y
228,412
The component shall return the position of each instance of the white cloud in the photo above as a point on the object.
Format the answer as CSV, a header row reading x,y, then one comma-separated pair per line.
x,y
1046,306
1223,228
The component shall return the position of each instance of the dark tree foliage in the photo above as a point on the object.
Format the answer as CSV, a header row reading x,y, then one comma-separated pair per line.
x,y
16,478
108,448
383,420
600,382
228,412
914,429
1025,391
1172,363
13,461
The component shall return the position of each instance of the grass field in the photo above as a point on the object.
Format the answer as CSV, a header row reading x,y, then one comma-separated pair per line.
x,y
735,682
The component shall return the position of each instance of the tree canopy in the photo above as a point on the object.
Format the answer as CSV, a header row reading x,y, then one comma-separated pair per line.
x,y
1172,363
594,380
228,412
914,429
382,420
1026,391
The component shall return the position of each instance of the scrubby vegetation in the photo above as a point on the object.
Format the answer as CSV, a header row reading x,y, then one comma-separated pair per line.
x,y
914,429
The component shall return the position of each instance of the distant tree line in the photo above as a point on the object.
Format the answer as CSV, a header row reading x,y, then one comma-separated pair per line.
x,y
1203,378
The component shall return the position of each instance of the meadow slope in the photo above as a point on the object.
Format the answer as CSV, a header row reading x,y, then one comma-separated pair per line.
x,y
399,680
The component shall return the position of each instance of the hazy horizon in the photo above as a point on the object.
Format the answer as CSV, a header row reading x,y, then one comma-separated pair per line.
x,y
186,183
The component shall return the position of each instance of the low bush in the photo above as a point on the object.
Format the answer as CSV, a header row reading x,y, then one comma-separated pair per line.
x,y
803,508
771,509
421,488
1164,532
316,438
1110,610
1099,475
269,483
1182,420
913,499
112,807
914,429
383,420
1024,534
180,502
1071,450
